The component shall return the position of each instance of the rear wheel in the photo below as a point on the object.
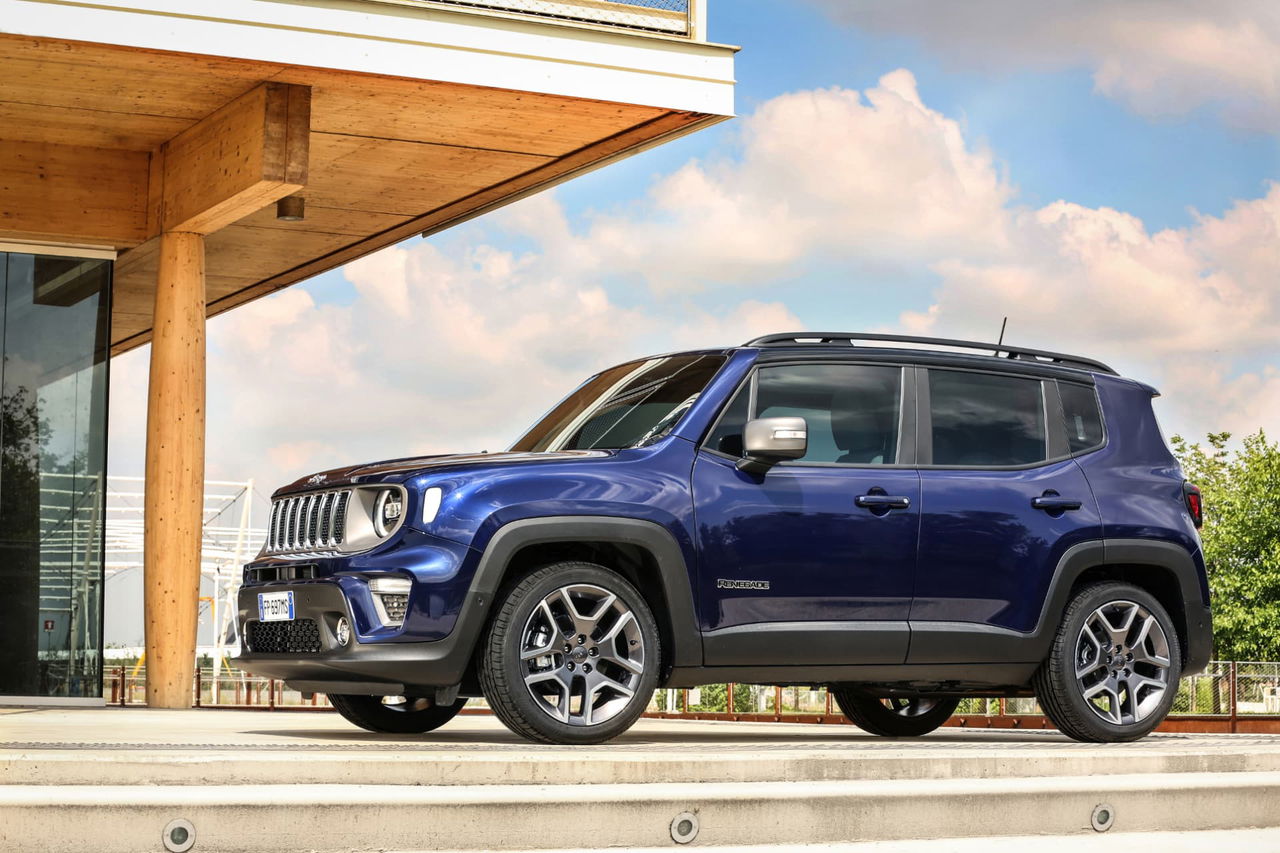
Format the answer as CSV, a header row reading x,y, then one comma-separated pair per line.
x,y
394,714
898,716
1112,671
571,656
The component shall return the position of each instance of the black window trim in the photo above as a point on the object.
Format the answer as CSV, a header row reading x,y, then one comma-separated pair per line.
x,y
1055,427
908,431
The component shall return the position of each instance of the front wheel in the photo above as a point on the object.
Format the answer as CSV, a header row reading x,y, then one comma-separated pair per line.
x,y
572,655
898,716
400,715
1112,671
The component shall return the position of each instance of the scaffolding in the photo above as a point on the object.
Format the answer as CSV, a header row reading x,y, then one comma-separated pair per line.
x,y
228,540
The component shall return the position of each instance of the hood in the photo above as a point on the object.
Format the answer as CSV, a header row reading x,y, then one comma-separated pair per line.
x,y
398,470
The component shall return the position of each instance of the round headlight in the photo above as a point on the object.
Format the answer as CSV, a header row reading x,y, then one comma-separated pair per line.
x,y
387,511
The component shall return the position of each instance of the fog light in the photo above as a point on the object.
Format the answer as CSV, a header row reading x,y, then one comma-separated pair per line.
x,y
178,836
342,631
391,598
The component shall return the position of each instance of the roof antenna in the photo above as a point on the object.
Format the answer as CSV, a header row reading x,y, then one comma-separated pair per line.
x,y
1003,323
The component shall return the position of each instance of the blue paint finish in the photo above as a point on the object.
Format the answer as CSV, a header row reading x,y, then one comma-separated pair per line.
x,y
985,554
797,528
1136,478
969,548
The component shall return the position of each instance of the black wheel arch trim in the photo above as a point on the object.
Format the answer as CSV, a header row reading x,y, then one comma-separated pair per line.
x,y
674,578
962,642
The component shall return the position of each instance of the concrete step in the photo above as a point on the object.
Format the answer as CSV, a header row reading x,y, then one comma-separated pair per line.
x,y
1251,840
550,766
522,817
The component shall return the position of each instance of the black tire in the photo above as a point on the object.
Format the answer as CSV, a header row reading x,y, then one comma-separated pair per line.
x,y
412,716
577,663
897,717
1139,708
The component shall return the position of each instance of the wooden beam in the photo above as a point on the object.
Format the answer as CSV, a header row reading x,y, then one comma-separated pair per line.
x,y
73,194
235,161
174,501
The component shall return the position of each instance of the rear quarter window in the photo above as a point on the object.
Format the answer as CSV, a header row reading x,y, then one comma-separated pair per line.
x,y
1081,415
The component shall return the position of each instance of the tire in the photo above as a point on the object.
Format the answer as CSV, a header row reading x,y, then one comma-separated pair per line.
x,y
596,672
1115,691
896,717
412,715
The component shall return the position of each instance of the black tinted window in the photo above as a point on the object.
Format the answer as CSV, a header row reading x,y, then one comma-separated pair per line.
x,y
852,410
980,420
625,406
727,435
1083,419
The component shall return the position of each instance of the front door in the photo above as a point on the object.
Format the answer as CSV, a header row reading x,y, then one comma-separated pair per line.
x,y
813,561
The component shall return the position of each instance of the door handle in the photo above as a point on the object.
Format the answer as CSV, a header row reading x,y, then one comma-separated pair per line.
x,y
882,501
1054,503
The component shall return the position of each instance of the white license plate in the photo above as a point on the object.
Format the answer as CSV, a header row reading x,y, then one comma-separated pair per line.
x,y
275,606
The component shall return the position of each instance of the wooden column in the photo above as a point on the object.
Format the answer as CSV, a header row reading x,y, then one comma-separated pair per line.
x,y
175,470
230,164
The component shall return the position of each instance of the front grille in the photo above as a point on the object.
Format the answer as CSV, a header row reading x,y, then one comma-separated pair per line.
x,y
310,522
301,636
264,574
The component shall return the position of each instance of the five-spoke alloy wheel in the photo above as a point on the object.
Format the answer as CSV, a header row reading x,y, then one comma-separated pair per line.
x,y
1113,669
572,655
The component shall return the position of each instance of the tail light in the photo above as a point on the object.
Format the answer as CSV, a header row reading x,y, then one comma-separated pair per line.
x,y
1194,505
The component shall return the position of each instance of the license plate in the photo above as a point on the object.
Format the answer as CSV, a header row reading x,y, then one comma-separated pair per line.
x,y
275,606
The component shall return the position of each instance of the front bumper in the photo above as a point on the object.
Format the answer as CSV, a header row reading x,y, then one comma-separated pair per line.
x,y
404,668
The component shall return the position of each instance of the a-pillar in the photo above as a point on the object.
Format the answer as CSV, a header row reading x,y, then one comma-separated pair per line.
x,y
175,471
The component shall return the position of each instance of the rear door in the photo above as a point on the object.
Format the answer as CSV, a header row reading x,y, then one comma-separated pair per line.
x,y
1001,501
796,566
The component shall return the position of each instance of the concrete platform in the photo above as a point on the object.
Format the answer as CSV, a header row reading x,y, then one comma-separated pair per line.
x,y
310,781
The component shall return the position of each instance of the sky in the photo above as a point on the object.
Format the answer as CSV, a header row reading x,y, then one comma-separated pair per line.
x,y
1106,175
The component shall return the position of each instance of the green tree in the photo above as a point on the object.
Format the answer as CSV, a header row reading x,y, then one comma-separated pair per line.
x,y
1240,489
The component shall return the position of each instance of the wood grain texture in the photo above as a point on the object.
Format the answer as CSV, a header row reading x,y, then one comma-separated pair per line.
x,y
236,160
174,500
73,194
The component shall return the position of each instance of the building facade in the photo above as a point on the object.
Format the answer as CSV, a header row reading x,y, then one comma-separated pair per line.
x,y
163,161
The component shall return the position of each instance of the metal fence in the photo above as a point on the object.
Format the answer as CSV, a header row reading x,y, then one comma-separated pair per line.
x,y
1227,697
666,17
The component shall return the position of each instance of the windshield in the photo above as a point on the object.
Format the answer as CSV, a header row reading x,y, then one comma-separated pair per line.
x,y
625,406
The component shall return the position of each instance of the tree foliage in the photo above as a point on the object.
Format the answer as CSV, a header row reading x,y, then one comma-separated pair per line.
x,y
1240,489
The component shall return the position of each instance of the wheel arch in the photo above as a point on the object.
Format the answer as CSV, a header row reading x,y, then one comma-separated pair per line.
x,y
1165,570
643,552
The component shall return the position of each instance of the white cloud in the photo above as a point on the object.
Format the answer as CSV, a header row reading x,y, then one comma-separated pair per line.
x,y
1159,57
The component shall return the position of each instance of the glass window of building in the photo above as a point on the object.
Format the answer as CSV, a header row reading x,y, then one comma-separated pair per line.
x,y
54,319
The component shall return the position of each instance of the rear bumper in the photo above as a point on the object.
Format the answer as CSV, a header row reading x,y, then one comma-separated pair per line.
x,y
370,668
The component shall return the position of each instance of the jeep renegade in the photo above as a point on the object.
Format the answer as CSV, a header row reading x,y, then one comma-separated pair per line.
x,y
907,521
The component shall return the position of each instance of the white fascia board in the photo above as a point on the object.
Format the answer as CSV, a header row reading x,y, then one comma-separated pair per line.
x,y
404,41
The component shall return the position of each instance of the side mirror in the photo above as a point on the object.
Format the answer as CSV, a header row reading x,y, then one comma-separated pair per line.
x,y
768,441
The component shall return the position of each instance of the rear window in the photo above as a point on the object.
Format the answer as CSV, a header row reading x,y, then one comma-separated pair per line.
x,y
1081,415
983,420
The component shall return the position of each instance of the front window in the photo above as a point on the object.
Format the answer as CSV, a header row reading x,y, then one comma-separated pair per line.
x,y
629,405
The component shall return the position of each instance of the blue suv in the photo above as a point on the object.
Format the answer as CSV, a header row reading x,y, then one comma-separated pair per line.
x,y
907,521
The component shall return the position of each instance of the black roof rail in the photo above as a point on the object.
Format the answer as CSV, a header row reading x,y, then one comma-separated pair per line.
x,y
995,350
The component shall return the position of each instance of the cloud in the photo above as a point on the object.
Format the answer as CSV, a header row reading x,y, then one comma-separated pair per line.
x,y
1158,57
831,173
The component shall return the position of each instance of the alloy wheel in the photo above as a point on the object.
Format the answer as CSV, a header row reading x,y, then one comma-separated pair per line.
x,y
1122,662
582,655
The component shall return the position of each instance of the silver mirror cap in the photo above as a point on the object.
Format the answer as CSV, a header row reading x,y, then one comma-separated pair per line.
x,y
776,438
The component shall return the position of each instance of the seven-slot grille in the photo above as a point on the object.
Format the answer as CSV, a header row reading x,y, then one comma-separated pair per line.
x,y
312,522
